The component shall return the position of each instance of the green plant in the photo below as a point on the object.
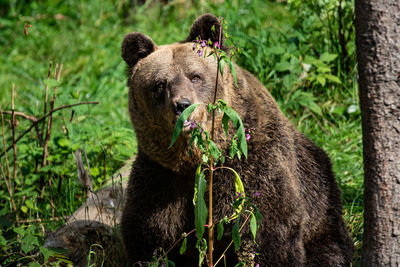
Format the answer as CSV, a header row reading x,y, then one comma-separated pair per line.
x,y
84,37
212,156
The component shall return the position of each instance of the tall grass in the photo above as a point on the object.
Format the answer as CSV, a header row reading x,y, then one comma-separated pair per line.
x,y
288,46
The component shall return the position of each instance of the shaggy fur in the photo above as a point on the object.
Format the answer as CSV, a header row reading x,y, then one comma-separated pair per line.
x,y
300,201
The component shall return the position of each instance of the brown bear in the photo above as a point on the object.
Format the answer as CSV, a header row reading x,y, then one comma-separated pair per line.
x,y
299,199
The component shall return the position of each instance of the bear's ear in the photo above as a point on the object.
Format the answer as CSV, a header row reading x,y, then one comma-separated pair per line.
x,y
136,46
202,28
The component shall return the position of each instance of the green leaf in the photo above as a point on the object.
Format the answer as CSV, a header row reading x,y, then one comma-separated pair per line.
x,y
197,174
239,188
200,208
234,149
204,157
233,72
183,246
95,171
209,107
253,225
282,66
3,241
315,108
258,215
321,80
201,246
220,229
235,234
237,122
213,149
221,66
46,253
225,122
19,230
277,50
333,78
63,142
34,264
29,203
326,57
323,69
240,264
51,82
24,209
29,242
170,263
181,120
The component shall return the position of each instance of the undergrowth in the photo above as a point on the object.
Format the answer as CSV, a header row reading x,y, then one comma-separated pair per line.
x,y
303,52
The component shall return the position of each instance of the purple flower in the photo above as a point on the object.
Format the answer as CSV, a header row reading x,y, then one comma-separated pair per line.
x,y
257,194
216,45
203,44
257,265
247,137
194,46
238,195
192,125
200,52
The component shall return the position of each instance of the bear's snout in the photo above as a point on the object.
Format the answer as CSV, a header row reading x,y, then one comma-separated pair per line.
x,y
181,105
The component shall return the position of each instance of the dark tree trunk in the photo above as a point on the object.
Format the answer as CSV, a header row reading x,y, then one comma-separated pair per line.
x,y
378,56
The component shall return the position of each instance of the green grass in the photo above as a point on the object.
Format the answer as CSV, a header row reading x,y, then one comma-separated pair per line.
x,y
278,41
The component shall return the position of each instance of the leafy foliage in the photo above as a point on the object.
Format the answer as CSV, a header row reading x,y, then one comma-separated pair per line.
x,y
302,51
200,207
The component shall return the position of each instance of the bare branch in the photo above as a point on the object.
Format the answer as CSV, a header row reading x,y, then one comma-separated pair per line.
x,y
44,117
50,121
21,114
8,182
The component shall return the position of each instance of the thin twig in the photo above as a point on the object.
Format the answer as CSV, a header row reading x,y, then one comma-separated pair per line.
x,y
50,120
177,241
318,122
342,39
21,114
13,125
39,220
230,244
51,198
46,89
104,165
8,182
44,117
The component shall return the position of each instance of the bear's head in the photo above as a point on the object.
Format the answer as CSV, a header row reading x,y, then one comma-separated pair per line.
x,y
164,80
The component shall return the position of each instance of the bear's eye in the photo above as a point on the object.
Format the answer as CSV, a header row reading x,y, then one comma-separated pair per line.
x,y
161,85
195,79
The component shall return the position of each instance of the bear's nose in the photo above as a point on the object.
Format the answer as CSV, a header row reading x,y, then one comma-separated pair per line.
x,y
181,106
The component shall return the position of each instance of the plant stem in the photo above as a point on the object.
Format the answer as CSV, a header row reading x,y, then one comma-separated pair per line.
x,y
210,215
13,125
211,166
50,120
8,182
177,241
45,102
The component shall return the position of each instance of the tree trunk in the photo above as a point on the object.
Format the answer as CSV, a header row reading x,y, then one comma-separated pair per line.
x,y
378,56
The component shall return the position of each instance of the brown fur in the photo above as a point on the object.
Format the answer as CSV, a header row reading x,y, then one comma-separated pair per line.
x,y
300,201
